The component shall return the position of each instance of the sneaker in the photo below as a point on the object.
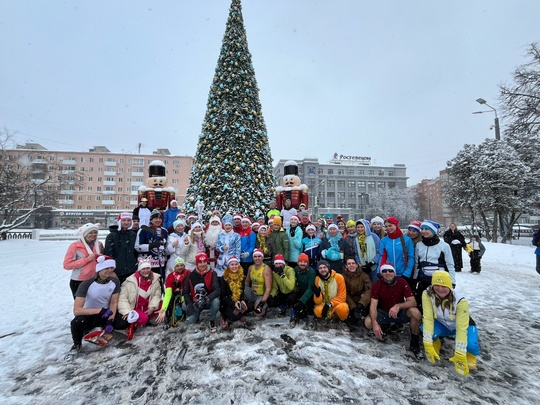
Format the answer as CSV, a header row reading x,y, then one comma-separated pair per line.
x,y
130,331
213,327
73,352
293,322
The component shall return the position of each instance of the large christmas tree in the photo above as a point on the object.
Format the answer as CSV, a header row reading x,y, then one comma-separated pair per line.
x,y
232,169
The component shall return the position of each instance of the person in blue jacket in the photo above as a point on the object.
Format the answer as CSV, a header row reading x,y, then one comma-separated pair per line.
x,y
169,215
367,249
397,249
248,240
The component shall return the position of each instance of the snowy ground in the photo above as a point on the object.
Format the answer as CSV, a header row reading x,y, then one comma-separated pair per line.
x,y
266,363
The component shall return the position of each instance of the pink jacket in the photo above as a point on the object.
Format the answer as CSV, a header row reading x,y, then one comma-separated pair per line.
x,y
76,260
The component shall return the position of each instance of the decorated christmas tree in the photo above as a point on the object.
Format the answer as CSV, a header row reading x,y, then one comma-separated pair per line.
x,y
232,169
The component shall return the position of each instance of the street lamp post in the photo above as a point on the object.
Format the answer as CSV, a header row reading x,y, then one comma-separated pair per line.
x,y
497,129
316,199
498,137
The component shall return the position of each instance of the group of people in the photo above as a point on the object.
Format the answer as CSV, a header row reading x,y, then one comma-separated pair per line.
x,y
350,272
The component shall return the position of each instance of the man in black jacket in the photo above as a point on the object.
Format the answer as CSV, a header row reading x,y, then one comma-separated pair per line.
x,y
120,245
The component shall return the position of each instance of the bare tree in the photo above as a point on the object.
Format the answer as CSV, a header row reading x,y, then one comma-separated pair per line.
x,y
28,183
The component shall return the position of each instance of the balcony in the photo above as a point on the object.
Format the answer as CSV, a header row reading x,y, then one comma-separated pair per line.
x,y
39,161
68,171
137,174
111,164
69,162
66,202
67,192
109,192
133,202
109,172
109,183
108,202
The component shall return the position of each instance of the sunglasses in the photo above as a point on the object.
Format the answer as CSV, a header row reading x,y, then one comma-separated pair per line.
x,y
387,271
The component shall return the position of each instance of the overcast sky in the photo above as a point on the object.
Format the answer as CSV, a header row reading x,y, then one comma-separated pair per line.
x,y
395,80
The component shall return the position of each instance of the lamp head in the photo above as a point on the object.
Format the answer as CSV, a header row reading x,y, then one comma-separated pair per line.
x,y
481,101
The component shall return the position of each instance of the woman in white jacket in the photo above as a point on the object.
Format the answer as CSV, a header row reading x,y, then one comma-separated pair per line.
x,y
175,242
193,245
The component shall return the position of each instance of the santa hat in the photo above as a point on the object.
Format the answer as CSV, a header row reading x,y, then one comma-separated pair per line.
x,y
124,215
258,252
415,225
232,259
296,217
214,218
378,220
201,256
191,216
311,226
104,262
431,225
195,224
144,263
180,214
279,259
262,226
246,219
257,224
392,220
173,201
237,216
387,266
85,230
133,316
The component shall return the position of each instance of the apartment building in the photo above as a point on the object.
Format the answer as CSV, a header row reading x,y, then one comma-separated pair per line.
x,y
103,181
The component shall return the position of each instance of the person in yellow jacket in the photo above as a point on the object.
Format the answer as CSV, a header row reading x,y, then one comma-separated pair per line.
x,y
330,293
258,283
446,313
283,285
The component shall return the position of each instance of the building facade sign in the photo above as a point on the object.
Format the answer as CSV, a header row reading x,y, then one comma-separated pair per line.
x,y
360,160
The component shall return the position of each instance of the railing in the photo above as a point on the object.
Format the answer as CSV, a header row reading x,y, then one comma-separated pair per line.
x,y
16,235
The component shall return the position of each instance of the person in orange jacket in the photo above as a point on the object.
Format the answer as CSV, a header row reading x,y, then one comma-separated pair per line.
x,y
330,294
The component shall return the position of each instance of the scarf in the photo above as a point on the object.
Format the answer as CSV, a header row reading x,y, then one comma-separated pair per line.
x,y
235,281
262,244
430,241
292,231
396,234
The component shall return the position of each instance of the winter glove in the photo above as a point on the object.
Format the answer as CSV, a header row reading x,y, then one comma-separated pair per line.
x,y
154,244
316,290
326,311
260,306
201,302
109,328
279,271
360,311
431,353
244,255
299,307
460,361
105,312
323,254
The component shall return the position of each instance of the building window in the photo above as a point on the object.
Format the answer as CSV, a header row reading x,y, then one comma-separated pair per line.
x,y
82,159
88,198
371,185
175,181
100,169
351,184
381,172
128,179
109,178
100,179
352,195
90,179
79,198
390,172
360,172
89,188
120,180
361,184
381,184
341,183
331,194
351,172
121,160
330,171
176,171
391,184
371,173
91,160
137,161
341,195
119,189
331,183
90,169
353,206
341,172
321,171
100,160
98,198
98,188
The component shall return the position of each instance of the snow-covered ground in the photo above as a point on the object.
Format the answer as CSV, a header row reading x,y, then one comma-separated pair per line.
x,y
267,362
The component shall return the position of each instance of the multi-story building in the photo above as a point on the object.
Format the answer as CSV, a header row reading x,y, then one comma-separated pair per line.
x,y
343,185
431,202
102,183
